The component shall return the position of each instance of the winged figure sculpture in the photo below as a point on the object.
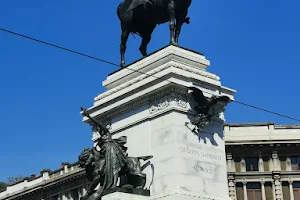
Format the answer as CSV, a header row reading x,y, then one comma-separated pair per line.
x,y
205,108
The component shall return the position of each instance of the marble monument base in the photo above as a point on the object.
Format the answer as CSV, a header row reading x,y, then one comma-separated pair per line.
x,y
154,109
178,194
126,194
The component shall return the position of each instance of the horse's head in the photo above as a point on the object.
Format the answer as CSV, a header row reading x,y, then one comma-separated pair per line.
x,y
84,156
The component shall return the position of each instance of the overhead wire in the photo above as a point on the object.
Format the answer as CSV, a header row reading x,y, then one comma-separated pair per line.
x,y
268,111
56,46
148,75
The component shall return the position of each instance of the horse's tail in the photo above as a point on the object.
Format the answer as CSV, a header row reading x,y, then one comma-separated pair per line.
x,y
135,33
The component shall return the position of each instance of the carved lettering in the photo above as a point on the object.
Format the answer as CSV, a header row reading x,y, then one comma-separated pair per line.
x,y
198,168
199,152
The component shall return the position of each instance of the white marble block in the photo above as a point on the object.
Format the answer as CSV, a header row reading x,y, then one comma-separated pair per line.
x,y
123,196
153,109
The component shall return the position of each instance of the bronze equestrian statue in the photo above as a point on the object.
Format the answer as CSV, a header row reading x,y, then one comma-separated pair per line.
x,y
142,16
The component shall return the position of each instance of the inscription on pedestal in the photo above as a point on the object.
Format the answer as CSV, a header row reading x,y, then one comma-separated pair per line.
x,y
202,153
199,168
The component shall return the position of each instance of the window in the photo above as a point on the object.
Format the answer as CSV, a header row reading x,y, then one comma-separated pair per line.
x,y
296,186
75,194
251,164
254,191
295,163
296,194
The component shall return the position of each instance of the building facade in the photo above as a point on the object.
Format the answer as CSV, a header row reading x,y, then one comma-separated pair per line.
x,y
68,182
263,162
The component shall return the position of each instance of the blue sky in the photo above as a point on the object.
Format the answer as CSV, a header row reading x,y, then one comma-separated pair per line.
x,y
253,46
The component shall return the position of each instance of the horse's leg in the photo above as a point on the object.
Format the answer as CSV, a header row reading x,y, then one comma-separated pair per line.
x,y
146,38
171,11
145,41
180,19
124,38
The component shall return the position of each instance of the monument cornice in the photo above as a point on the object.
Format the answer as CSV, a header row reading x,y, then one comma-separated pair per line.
x,y
237,143
151,59
171,91
143,76
136,93
167,110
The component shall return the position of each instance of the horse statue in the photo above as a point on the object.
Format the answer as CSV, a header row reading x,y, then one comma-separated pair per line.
x,y
104,167
142,16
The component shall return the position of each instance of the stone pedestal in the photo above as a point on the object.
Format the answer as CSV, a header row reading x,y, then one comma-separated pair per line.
x,y
153,108
126,194
123,196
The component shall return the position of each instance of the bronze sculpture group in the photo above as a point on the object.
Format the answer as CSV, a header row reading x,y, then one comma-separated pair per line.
x,y
142,16
111,162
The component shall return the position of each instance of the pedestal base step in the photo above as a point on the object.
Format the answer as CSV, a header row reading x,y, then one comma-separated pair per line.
x,y
126,194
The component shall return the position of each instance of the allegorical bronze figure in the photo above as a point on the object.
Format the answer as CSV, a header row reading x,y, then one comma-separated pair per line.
x,y
142,16
111,162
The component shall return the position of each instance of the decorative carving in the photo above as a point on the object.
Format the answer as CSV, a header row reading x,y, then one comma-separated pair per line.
x,y
181,101
229,156
274,155
207,109
159,105
154,71
145,99
166,101
231,185
244,181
